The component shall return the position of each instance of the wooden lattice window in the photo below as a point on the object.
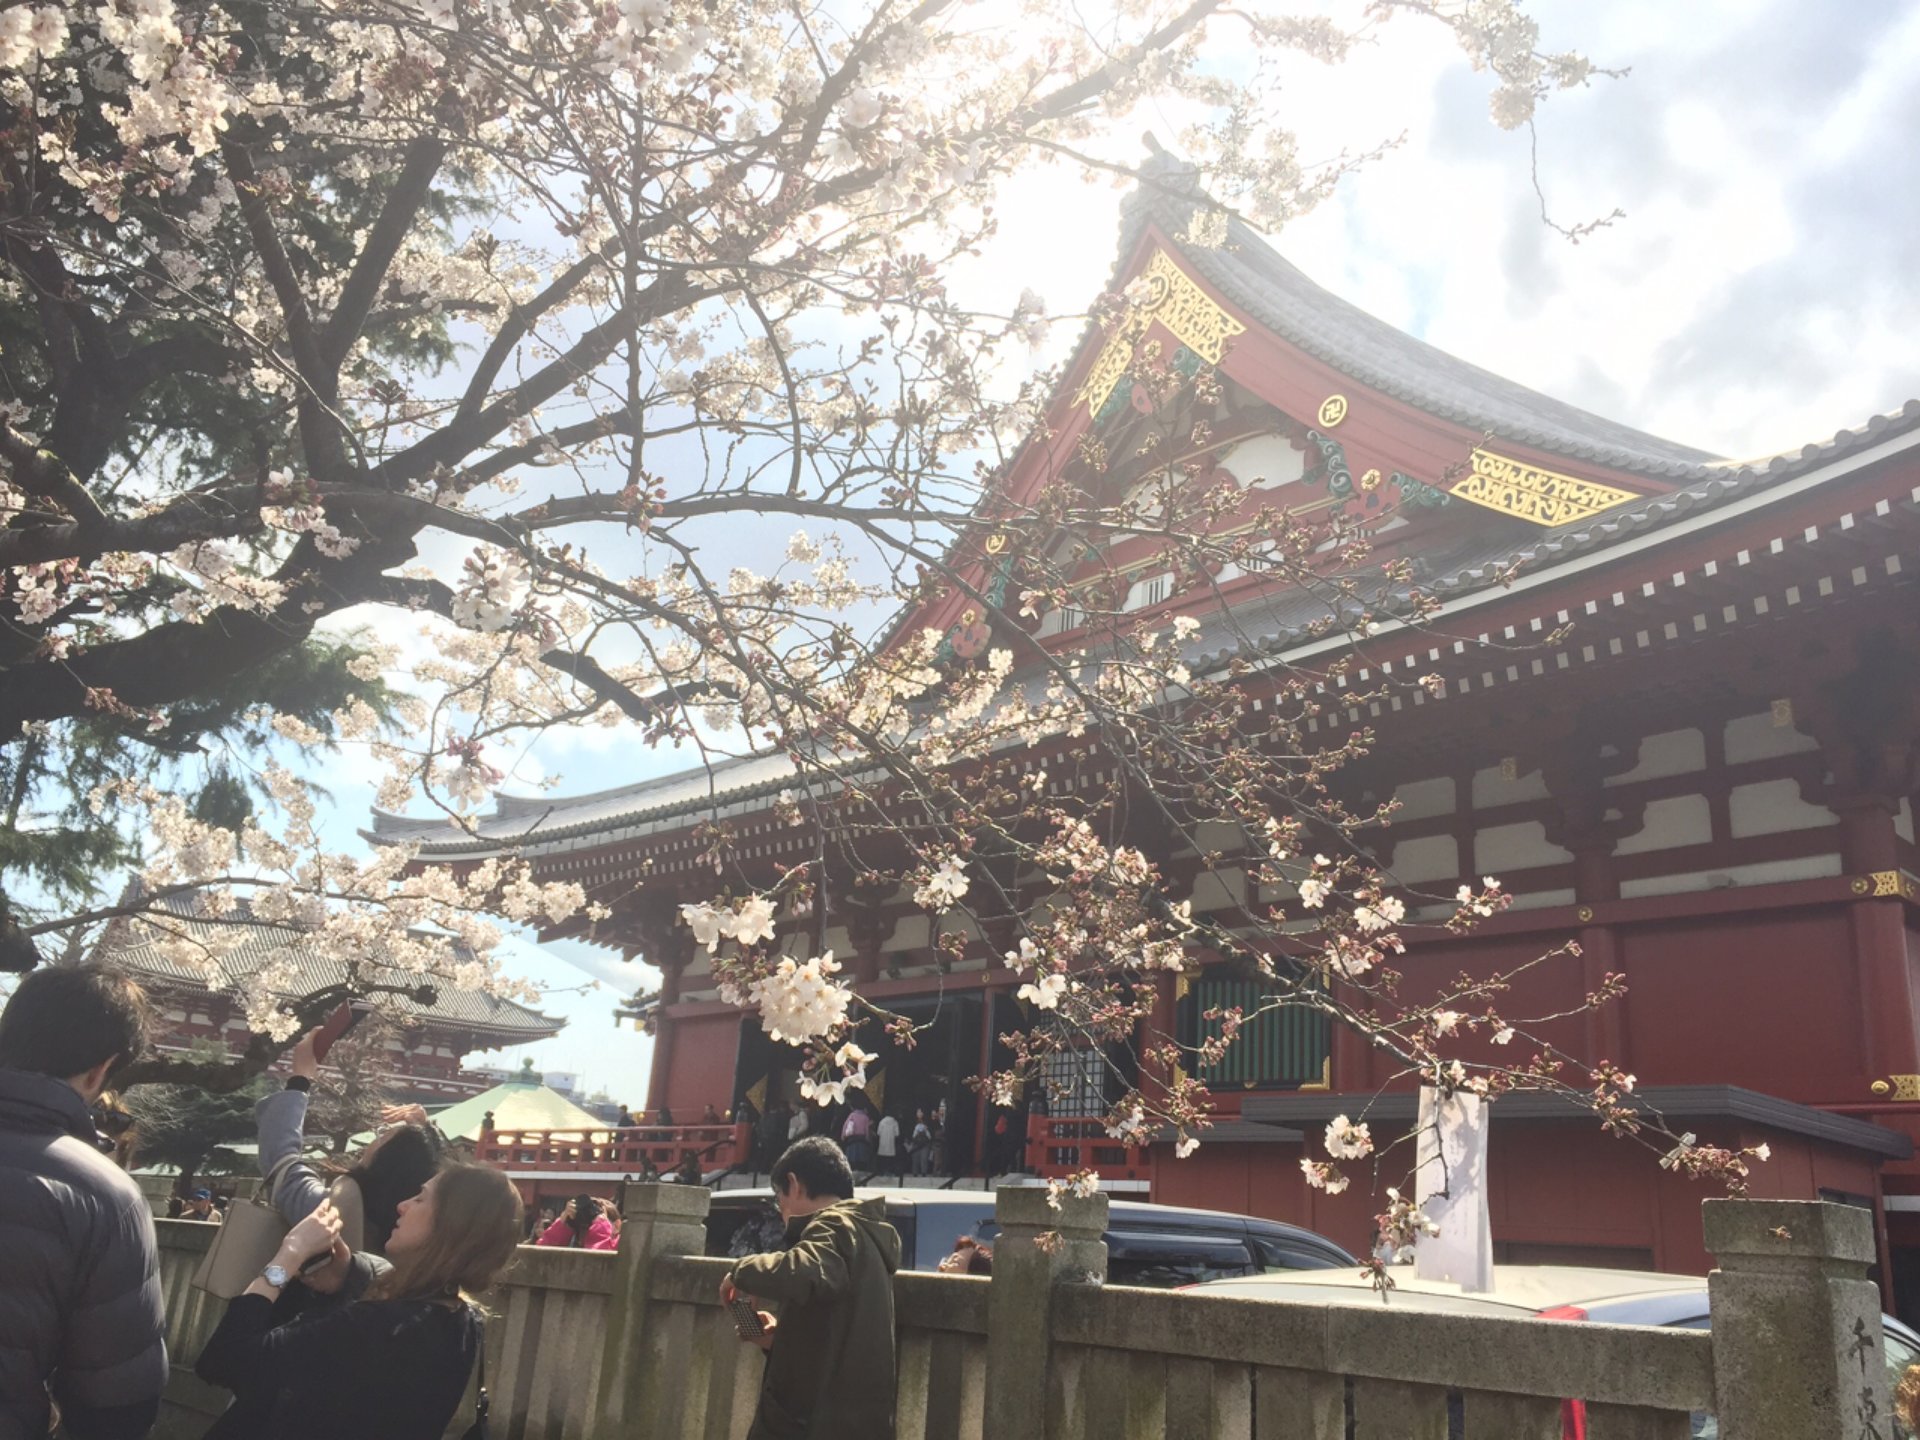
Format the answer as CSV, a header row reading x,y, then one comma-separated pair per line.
x,y
1281,1049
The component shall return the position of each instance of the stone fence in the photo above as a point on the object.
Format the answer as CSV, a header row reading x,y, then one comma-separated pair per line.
x,y
635,1345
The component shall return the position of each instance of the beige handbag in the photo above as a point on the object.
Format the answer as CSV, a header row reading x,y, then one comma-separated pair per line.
x,y
247,1239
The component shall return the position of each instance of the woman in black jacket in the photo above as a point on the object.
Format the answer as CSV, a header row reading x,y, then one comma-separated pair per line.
x,y
390,1366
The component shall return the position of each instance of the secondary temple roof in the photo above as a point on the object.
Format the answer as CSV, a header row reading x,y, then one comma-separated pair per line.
x,y
313,971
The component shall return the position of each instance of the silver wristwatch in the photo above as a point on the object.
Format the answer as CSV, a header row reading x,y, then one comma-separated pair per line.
x,y
276,1276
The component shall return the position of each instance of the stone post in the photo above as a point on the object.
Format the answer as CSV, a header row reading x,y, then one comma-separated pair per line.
x,y
1026,1270
1797,1347
657,1220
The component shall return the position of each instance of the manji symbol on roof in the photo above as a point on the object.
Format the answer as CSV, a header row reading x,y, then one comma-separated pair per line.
x,y
1527,492
1177,303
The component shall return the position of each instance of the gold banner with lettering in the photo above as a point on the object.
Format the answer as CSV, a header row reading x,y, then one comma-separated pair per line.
x,y
1176,302
1527,492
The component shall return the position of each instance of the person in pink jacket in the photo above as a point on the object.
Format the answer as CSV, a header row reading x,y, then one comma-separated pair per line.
x,y
583,1225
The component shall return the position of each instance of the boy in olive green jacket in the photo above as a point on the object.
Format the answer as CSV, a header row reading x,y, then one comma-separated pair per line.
x,y
830,1371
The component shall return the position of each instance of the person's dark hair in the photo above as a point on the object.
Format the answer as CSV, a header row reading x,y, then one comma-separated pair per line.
x,y
585,1212
819,1165
476,1227
979,1259
395,1168
65,1019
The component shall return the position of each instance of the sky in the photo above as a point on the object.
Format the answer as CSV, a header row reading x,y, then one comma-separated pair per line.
x,y
1760,291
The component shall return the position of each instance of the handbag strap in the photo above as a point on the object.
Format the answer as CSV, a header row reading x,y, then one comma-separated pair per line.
x,y
480,1404
271,1182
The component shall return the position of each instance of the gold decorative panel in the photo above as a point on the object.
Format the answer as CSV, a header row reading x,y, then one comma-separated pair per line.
x,y
1884,884
1527,492
1175,301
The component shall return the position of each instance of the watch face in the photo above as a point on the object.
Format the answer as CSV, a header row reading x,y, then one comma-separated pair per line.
x,y
276,1276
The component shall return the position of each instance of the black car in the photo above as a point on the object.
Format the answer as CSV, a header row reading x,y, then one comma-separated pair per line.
x,y
1158,1245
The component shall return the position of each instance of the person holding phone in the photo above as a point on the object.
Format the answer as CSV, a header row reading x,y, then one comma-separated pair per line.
x,y
366,1194
583,1225
830,1353
393,1363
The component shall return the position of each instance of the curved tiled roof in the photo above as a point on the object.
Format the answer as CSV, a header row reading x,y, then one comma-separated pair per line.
x,y
1278,295
312,971
605,814
1267,287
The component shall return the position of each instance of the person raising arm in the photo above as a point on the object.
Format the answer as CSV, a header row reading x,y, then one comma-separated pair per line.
x,y
395,1364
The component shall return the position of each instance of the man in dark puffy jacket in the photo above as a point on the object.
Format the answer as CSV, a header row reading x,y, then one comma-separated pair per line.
x,y
80,1311
830,1361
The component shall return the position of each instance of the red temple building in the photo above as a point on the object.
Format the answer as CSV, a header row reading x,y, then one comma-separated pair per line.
x,y
1708,781
429,1043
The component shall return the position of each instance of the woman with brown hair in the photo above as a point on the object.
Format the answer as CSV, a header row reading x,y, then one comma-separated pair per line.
x,y
392,1365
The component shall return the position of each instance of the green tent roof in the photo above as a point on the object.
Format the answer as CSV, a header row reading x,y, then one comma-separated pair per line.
x,y
515,1107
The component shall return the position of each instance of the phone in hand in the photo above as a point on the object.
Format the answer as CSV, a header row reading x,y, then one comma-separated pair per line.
x,y
316,1262
746,1319
338,1025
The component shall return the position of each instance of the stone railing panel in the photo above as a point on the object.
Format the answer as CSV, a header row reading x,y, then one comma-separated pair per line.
x,y
1309,1404
189,1405
1622,1364
636,1346
1636,1422
544,1344
708,1381
1396,1410
940,1302
1523,1417
942,1385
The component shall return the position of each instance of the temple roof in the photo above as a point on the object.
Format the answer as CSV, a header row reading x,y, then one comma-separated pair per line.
x,y
1268,288
1270,291
311,971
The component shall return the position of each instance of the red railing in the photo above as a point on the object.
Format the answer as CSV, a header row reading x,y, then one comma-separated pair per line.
x,y
624,1152
1057,1147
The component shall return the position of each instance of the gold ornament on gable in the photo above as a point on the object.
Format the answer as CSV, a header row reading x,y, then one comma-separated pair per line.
x,y
1173,300
1528,492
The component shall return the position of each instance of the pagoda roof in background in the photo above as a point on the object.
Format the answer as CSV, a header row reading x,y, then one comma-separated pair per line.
x,y
1693,490
264,943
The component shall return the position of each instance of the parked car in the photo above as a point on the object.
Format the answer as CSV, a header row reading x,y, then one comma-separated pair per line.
x,y
1547,1292
1157,1245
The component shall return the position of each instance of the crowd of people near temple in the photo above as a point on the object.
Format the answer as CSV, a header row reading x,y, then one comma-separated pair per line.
x,y
365,1319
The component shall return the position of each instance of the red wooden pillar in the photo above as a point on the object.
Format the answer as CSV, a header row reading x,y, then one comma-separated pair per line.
x,y
1576,775
1595,883
1350,1059
663,1027
869,928
1879,934
1156,1030
1868,726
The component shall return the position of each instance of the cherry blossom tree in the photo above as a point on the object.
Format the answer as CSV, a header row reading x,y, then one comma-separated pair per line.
x,y
502,318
